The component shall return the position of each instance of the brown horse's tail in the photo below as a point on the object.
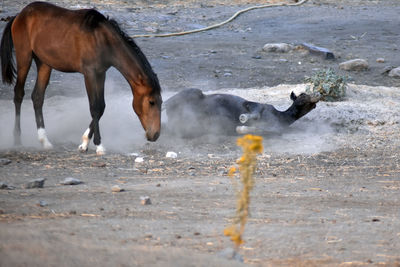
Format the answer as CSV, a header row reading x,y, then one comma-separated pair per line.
x,y
6,55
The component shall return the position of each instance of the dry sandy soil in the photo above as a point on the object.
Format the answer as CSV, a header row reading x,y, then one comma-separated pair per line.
x,y
327,192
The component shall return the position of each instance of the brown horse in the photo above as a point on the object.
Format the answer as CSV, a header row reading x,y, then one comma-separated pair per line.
x,y
82,41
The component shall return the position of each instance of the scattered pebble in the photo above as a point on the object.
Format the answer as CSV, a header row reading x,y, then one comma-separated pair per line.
x,y
37,183
4,161
171,154
354,65
145,200
6,186
277,47
42,203
98,164
395,72
387,69
139,160
71,181
117,188
380,60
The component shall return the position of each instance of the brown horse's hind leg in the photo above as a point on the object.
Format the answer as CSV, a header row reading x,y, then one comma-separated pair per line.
x,y
95,90
43,76
23,65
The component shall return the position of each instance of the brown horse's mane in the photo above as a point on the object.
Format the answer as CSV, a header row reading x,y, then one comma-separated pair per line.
x,y
93,19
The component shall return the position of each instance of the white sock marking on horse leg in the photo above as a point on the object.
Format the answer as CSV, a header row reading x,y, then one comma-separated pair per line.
x,y
85,141
43,139
100,150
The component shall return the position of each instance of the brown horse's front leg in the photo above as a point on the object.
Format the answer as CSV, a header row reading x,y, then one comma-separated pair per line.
x,y
95,90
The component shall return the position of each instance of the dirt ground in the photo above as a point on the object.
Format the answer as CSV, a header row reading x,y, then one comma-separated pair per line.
x,y
338,206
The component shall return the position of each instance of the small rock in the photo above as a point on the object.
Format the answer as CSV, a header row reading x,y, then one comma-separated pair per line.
x,y
354,64
139,160
277,47
6,186
380,60
98,164
145,200
117,188
37,183
4,161
42,203
71,181
171,154
387,69
230,254
395,72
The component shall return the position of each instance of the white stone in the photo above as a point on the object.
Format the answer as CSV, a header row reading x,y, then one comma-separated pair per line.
x,y
395,72
354,64
139,160
171,154
277,47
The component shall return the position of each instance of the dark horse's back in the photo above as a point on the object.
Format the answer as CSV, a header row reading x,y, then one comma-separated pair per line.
x,y
191,113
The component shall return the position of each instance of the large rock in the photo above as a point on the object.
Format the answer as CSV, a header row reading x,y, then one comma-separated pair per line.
x,y
71,181
395,72
277,47
354,64
37,183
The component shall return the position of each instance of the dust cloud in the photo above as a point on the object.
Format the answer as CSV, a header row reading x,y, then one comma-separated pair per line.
x,y
67,117
366,111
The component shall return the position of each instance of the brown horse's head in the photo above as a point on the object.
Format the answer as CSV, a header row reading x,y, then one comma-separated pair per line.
x,y
147,105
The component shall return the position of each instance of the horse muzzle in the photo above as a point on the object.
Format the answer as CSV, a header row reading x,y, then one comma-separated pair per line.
x,y
152,136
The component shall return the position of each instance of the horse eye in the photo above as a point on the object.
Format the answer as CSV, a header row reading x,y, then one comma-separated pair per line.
x,y
152,102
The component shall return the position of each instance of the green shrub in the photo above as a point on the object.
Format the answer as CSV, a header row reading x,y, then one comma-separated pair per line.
x,y
328,84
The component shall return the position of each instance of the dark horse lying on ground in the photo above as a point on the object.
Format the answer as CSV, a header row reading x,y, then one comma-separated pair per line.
x,y
77,41
191,113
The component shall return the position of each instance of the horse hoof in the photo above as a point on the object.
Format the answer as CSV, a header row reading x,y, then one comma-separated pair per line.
x,y
100,150
47,146
82,148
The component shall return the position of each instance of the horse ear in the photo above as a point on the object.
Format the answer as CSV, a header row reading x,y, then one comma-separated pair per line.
x,y
293,96
251,107
246,105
